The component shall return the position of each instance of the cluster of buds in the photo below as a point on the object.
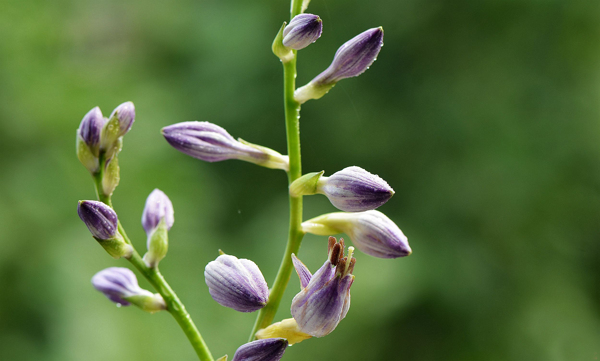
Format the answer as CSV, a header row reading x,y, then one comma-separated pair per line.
x,y
99,141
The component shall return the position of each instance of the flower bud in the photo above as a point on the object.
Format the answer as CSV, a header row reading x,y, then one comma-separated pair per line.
x,y
353,189
119,124
102,222
350,60
271,349
325,300
157,219
287,329
121,287
236,283
90,128
303,30
371,232
99,218
211,143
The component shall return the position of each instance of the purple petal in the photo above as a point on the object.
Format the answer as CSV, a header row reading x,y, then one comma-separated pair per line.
x,y
208,142
236,283
375,234
303,30
353,189
354,57
126,115
90,128
302,271
270,349
100,219
117,283
158,207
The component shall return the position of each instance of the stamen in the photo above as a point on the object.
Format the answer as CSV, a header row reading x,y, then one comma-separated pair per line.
x,y
350,251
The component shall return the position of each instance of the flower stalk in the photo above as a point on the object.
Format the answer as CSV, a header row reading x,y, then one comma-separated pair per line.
x,y
292,126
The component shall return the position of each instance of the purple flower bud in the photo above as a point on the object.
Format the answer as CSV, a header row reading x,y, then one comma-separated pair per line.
x,y
353,189
325,300
158,207
100,219
118,283
303,30
90,128
211,143
371,232
121,286
236,283
270,349
350,60
125,113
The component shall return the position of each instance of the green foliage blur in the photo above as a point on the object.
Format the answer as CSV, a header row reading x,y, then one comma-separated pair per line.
x,y
483,115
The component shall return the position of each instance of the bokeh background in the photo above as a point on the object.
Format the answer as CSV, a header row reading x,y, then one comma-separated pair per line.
x,y
484,115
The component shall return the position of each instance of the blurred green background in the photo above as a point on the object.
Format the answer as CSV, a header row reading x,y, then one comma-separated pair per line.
x,y
484,115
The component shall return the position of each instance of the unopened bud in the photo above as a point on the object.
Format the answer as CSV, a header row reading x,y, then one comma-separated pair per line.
x,y
102,222
121,287
271,349
157,220
119,124
236,283
90,128
211,143
350,60
353,189
303,30
371,232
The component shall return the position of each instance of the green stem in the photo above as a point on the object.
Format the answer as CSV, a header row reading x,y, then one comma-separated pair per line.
x,y
292,125
174,306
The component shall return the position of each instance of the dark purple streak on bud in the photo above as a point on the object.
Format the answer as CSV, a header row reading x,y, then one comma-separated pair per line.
x,y
270,349
354,57
100,219
303,30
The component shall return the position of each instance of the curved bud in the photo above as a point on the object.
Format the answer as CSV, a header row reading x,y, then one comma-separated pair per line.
x,y
371,231
118,125
271,349
353,189
90,128
305,185
157,220
121,286
102,222
287,329
303,30
211,143
236,283
351,59
325,300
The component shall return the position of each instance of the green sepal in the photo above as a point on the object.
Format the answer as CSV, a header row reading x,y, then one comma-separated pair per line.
x,y
326,224
158,245
116,247
150,303
86,156
114,149
281,51
111,177
312,91
111,132
305,185
304,5
223,358
273,159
